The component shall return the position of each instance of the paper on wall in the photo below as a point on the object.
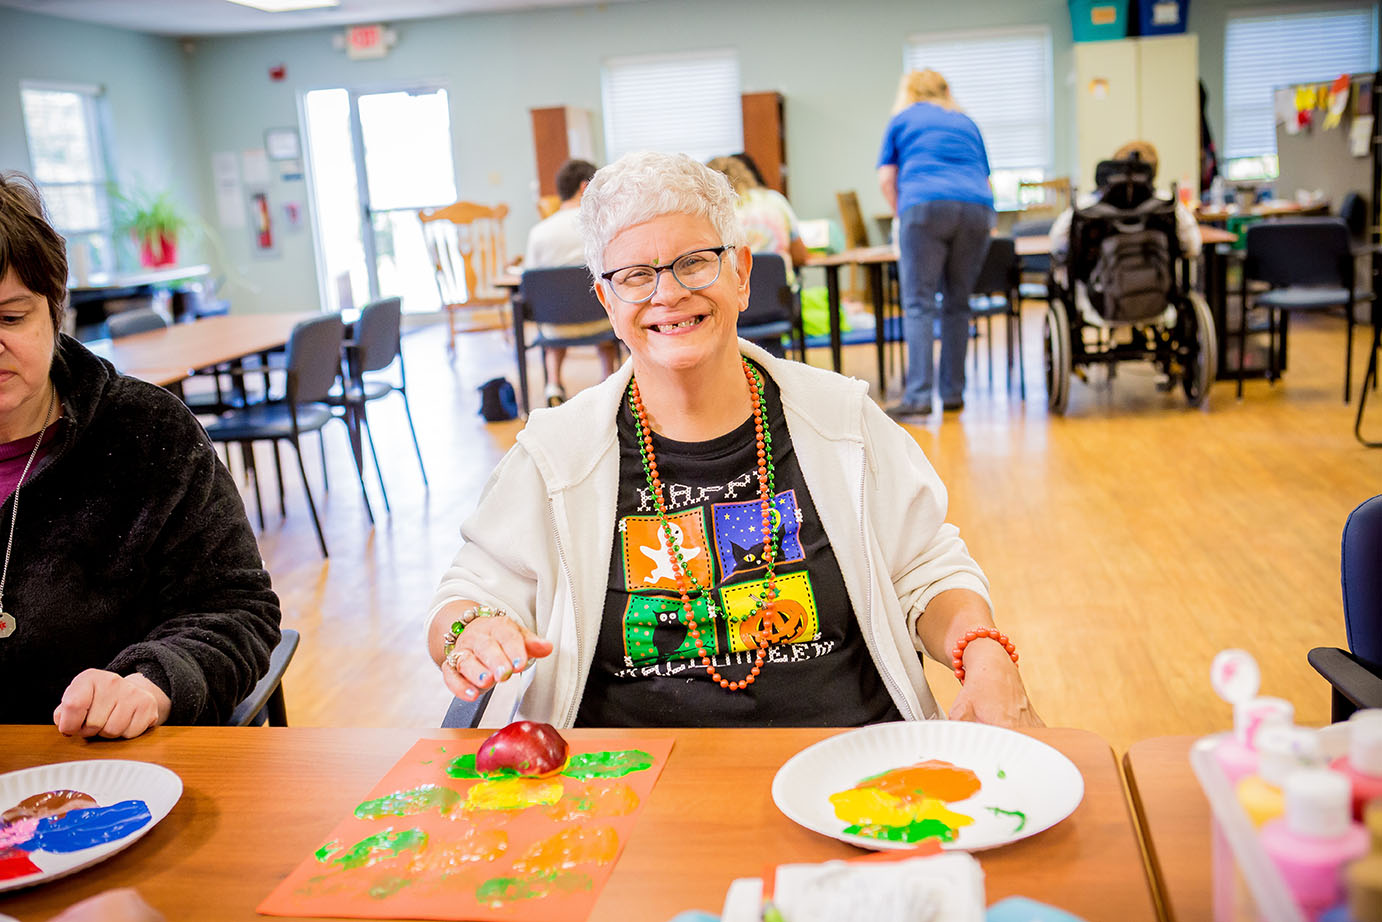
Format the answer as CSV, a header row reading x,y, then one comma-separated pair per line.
x,y
1360,135
1285,106
255,164
230,197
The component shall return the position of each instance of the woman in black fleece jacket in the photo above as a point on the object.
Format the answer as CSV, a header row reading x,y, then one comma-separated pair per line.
x,y
134,593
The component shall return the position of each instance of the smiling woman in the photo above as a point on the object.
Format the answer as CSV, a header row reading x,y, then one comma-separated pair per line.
x,y
131,588
711,537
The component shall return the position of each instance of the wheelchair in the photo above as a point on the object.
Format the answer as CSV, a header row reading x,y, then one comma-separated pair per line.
x,y
1125,295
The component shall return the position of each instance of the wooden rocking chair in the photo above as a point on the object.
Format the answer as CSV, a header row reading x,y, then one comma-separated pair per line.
x,y
466,243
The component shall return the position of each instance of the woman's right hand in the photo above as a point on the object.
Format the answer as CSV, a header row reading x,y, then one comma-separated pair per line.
x,y
490,650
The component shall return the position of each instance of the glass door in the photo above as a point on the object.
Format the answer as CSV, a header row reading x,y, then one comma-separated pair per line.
x,y
376,159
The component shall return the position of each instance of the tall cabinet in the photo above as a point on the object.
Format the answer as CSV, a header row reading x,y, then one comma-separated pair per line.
x,y
1139,89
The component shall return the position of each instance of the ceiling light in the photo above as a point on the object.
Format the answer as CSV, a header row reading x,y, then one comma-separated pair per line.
x,y
285,6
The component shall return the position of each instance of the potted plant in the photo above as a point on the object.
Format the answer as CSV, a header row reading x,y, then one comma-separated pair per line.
x,y
155,222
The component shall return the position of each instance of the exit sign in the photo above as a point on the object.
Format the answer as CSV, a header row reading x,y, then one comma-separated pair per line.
x,y
372,41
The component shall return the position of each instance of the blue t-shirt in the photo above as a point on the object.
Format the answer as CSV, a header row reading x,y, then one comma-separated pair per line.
x,y
939,155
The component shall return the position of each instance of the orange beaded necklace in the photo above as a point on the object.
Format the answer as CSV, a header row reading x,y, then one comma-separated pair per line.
x,y
766,607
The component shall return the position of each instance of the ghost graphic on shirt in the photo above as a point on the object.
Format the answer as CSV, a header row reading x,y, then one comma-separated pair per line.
x,y
661,556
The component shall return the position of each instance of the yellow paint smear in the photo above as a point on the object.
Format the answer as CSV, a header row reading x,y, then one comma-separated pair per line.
x,y
872,807
474,845
512,793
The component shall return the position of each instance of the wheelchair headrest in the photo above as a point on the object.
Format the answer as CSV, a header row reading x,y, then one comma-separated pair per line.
x,y
1125,183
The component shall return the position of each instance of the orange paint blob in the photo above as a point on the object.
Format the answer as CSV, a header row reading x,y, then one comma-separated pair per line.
x,y
932,779
575,845
598,798
473,845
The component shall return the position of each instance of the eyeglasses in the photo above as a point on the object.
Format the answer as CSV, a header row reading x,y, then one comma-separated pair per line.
x,y
694,271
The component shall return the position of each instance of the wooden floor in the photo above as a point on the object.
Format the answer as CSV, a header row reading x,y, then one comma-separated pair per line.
x,y
1126,543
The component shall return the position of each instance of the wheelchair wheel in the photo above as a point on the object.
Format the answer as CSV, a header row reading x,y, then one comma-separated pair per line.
x,y
1199,351
1056,329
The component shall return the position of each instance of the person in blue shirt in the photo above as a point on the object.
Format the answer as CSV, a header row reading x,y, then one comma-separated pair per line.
x,y
934,174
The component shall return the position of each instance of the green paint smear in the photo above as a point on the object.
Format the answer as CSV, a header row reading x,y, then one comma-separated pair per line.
x,y
1021,817
912,832
501,891
426,761
464,767
585,765
607,764
1002,774
388,887
363,852
327,850
405,803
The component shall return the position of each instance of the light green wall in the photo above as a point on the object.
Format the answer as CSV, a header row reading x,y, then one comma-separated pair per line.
x,y
148,108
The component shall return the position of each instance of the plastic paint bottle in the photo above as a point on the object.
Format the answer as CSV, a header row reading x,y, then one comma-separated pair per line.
x,y
1280,751
1363,764
1311,844
1364,876
1238,757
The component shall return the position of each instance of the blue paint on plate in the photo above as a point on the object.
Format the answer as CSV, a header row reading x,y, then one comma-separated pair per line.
x,y
79,829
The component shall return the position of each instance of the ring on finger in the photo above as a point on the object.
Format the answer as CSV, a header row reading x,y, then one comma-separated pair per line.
x,y
456,657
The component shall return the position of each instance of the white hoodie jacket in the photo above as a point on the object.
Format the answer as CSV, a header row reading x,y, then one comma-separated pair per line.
x,y
538,545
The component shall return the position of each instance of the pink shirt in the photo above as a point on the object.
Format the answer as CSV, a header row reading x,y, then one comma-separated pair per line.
x,y
14,455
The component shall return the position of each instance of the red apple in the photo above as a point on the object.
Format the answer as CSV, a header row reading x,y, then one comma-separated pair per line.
x,y
527,747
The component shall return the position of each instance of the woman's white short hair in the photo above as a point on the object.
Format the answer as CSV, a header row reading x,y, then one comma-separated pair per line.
x,y
643,185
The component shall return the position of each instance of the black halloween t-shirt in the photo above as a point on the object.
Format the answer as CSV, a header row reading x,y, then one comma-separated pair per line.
x,y
647,671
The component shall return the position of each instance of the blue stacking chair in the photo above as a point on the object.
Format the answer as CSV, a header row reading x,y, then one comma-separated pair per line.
x,y
1356,673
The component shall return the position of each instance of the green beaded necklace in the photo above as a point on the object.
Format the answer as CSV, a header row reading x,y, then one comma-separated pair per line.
x,y
764,608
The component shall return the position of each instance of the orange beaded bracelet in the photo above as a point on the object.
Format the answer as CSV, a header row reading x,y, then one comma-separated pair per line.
x,y
957,654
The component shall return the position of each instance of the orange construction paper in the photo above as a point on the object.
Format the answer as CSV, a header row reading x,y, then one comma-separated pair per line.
x,y
433,841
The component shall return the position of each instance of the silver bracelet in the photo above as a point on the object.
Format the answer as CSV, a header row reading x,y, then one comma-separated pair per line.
x,y
453,656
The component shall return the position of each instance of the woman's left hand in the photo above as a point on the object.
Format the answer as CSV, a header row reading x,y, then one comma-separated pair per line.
x,y
993,692
103,703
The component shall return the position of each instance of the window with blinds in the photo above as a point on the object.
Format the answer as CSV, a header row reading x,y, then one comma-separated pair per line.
x,y
682,103
69,166
1264,51
1002,80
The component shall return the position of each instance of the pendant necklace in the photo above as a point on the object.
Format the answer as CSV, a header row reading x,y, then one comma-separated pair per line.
x,y
765,608
7,622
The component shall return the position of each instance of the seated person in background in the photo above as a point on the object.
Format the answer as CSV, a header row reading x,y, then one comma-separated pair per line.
x,y
556,241
132,588
1187,229
768,219
711,536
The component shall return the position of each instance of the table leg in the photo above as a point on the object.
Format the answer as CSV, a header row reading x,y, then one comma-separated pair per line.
x,y
880,331
832,288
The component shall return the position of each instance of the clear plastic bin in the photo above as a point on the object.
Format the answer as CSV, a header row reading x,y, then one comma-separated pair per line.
x,y
1246,885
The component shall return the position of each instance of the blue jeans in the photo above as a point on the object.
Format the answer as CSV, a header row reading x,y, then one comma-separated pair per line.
x,y
942,247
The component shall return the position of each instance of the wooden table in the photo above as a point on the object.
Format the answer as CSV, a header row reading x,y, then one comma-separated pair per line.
x,y
874,259
1173,815
257,801
169,355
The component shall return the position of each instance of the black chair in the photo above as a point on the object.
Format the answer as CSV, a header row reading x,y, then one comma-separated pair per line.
x,y
376,345
1034,269
265,704
139,320
465,714
557,295
996,295
313,364
1308,264
1356,674
773,310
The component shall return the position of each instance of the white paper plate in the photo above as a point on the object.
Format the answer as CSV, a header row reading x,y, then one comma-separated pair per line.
x,y
109,781
1019,775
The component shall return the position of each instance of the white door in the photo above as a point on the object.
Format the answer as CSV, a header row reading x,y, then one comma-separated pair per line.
x,y
376,158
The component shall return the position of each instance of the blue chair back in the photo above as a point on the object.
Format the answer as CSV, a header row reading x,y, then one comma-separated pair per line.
x,y
563,294
1361,575
770,297
314,358
377,332
1299,251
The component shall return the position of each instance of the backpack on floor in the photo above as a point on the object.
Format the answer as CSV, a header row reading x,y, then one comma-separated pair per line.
x,y
497,400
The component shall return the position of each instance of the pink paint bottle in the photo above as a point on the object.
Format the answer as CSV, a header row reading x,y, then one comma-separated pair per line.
x,y
1236,679
1316,838
1363,764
